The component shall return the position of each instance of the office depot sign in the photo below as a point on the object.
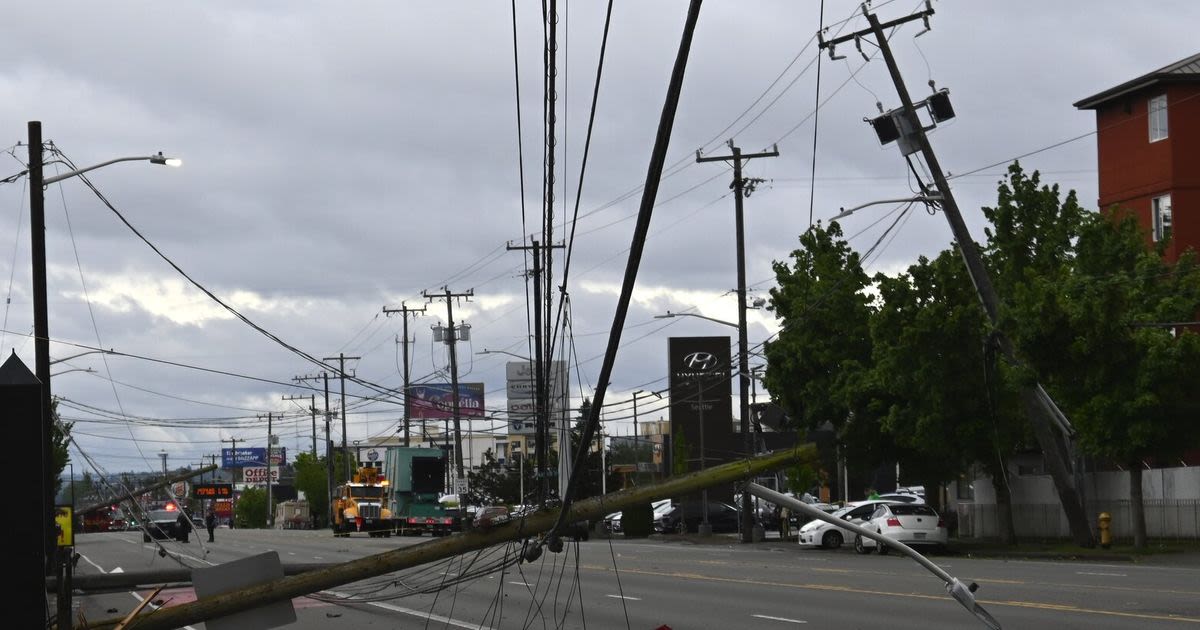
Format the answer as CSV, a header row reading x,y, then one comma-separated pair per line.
x,y
258,474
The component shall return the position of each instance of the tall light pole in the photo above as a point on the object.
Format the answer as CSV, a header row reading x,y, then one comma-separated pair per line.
x,y
41,328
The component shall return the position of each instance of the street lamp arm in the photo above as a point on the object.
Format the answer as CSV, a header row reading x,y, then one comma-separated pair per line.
x,y
511,354
922,198
154,159
76,356
711,319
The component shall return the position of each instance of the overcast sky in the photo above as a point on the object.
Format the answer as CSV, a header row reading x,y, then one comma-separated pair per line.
x,y
342,157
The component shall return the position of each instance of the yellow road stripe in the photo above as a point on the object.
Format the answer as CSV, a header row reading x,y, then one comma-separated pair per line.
x,y
847,589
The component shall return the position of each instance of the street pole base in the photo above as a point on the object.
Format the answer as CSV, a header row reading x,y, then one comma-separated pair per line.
x,y
705,529
757,534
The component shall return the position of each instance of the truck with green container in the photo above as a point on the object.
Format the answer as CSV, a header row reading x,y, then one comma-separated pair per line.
x,y
417,477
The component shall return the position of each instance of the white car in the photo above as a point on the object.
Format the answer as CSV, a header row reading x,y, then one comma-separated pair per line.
x,y
903,497
910,523
818,533
612,522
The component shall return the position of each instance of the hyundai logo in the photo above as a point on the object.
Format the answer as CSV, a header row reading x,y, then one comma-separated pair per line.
x,y
700,361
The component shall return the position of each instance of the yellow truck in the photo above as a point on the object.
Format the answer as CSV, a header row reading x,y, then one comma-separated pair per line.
x,y
359,506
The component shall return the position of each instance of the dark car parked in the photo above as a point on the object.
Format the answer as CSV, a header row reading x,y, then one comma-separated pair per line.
x,y
162,525
687,517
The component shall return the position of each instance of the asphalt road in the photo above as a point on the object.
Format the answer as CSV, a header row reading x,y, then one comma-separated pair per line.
x,y
669,581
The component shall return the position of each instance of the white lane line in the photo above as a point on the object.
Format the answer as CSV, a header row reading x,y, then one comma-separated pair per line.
x,y
318,558
416,613
784,619
152,606
1108,574
632,599
520,583
89,561
291,553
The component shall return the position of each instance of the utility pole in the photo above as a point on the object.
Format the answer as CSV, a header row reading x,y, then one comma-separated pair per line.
x,y
1042,412
212,460
270,505
341,359
233,459
312,407
743,188
41,333
163,457
541,362
404,313
324,376
451,338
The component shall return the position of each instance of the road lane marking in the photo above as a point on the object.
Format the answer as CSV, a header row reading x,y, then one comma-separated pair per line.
x,y
89,561
1096,573
291,553
1067,608
632,599
410,611
318,558
785,619
520,583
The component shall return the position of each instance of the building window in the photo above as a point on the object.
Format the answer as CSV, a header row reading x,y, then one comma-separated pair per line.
x,y
1158,117
1160,210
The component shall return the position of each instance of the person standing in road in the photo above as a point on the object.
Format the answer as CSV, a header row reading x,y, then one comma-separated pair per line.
x,y
210,522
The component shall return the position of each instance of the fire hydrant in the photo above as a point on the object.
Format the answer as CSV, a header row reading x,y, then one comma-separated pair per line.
x,y
1105,532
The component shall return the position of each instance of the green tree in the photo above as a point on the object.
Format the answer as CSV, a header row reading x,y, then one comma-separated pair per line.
x,y
495,483
313,480
60,437
817,366
1132,390
252,508
935,381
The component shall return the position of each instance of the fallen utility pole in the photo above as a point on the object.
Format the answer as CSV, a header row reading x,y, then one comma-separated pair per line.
x,y
440,548
150,488
94,583
1042,413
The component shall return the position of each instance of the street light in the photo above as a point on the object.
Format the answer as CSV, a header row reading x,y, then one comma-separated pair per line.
x,y
511,354
669,315
41,328
88,370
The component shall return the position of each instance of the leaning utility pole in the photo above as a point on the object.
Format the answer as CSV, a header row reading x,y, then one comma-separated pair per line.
x,y
341,359
404,313
1043,414
742,188
312,407
452,333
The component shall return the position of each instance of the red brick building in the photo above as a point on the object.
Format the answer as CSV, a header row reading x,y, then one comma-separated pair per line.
x,y
1148,145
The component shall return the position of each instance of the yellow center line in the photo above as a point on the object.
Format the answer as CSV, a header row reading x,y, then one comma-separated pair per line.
x,y
1066,608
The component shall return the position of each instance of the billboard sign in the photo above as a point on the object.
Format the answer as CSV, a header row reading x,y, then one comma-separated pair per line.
x,y
702,394
278,455
258,474
522,390
242,457
212,490
436,401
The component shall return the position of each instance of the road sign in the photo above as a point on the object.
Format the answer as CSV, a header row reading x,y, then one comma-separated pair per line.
x,y
179,489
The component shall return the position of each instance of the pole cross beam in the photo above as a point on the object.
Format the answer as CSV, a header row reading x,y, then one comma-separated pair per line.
x,y
451,297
